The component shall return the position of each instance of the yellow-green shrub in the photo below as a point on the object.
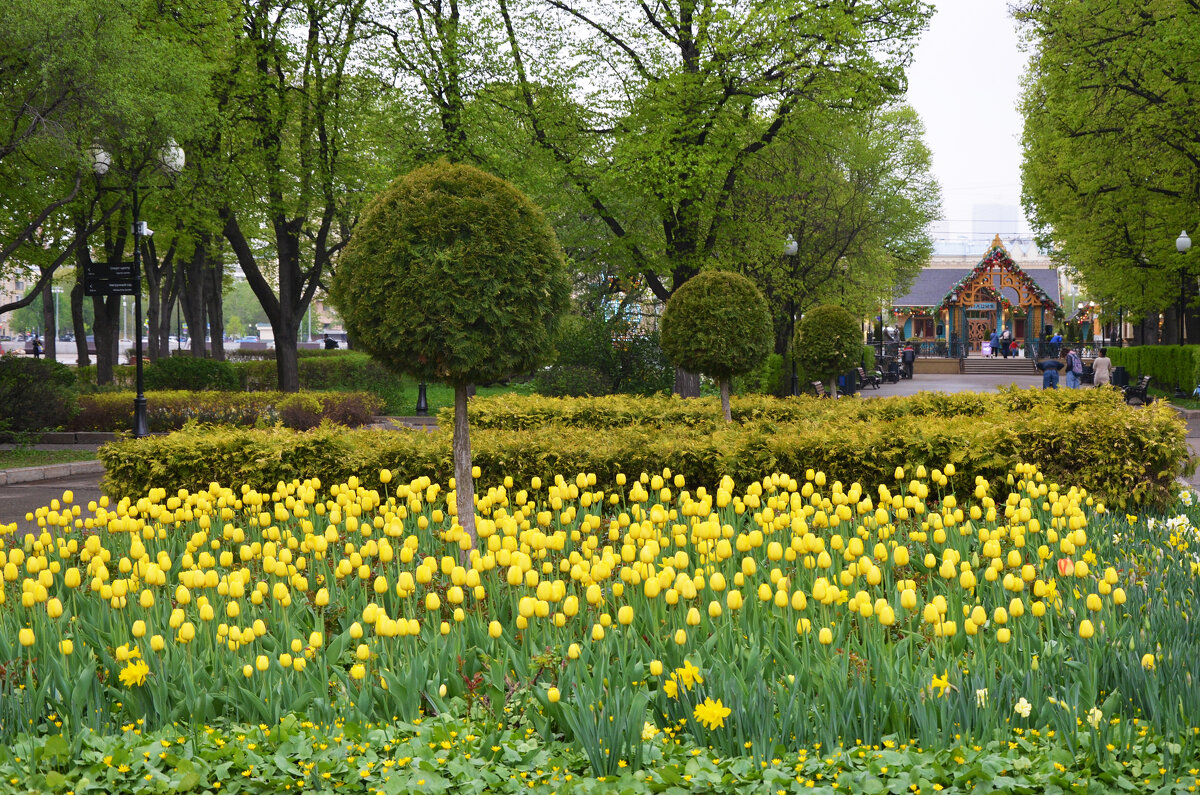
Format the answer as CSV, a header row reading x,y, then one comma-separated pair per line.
x,y
1127,456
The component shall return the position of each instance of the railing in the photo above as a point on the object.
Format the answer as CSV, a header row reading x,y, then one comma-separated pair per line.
x,y
925,349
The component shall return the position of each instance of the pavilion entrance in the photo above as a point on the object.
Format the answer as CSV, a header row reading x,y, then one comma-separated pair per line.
x,y
981,322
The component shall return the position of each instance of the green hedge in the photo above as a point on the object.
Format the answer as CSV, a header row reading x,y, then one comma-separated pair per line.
x,y
1087,438
518,412
319,371
1166,365
169,411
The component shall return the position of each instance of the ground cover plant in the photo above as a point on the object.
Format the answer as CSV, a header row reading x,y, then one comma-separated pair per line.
x,y
775,634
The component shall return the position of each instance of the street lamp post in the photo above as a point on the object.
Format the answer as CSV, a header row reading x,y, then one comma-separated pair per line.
x,y
790,249
57,292
1182,244
171,161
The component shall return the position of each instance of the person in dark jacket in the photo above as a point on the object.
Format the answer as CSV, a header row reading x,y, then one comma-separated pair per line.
x,y
1050,368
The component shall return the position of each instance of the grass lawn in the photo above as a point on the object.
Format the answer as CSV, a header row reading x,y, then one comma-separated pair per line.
x,y
1169,395
441,396
12,459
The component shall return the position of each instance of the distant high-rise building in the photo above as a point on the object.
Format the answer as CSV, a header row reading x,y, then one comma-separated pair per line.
x,y
992,218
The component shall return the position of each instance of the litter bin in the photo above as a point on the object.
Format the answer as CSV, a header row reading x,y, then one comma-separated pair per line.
x,y
1120,377
846,383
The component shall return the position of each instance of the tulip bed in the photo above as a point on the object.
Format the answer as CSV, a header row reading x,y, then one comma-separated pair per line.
x,y
783,634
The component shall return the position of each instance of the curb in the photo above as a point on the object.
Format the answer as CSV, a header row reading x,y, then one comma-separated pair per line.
x,y
10,477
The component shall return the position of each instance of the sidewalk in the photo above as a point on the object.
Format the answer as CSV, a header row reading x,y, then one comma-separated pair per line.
x,y
25,490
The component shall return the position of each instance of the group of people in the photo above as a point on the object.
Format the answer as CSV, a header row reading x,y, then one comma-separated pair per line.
x,y
1003,344
1101,369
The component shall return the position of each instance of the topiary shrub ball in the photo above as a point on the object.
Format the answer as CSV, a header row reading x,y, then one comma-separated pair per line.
x,y
716,323
828,342
452,274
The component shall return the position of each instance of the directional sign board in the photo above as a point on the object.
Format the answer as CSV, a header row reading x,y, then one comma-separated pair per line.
x,y
101,279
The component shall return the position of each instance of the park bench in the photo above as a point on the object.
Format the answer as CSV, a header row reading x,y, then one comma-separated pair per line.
x,y
819,388
1138,391
869,379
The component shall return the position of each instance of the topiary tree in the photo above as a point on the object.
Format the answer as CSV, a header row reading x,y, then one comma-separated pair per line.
x,y
717,323
453,274
828,343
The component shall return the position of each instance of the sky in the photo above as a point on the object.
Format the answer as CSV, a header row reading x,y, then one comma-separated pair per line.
x,y
965,84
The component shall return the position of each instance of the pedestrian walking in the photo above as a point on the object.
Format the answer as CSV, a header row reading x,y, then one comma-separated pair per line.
x,y
1074,369
1102,367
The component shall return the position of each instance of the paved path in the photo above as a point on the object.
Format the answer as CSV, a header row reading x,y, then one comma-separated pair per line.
x,y
17,499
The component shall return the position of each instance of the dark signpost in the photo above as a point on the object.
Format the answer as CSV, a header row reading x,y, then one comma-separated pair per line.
x,y
102,279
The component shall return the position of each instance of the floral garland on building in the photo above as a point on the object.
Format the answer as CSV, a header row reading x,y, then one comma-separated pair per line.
x,y
997,257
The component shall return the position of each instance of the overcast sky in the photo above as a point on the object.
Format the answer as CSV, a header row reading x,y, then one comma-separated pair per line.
x,y
965,84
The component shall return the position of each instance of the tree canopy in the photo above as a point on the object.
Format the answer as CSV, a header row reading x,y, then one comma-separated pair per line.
x,y
828,342
1111,172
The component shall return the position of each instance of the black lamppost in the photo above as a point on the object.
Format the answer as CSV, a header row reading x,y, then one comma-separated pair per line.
x,y
1183,244
791,248
422,402
171,161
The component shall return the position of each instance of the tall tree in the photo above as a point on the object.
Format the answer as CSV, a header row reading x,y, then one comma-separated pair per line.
x,y
680,95
854,193
304,153
1111,171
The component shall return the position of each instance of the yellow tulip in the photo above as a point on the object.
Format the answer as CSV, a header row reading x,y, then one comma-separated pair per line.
x,y
1086,630
825,636
25,636
552,695
66,646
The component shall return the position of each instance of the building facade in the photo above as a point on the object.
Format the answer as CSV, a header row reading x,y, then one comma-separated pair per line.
x,y
956,301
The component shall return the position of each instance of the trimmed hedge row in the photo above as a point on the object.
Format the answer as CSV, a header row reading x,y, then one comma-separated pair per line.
x,y
1167,365
319,371
1125,455
169,411
521,412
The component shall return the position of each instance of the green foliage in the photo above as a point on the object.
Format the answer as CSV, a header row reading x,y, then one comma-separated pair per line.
x,y
828,342
1082,437
190,373
631,363
35,394
716,323
1110,163
452,274
264,759
571,380
855,191
1167,365
169,411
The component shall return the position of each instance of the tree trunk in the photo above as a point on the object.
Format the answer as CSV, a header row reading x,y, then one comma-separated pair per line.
x,y
78,327
687,385
725,400
152,312
464,484
287,364
49,338
191,278
215,307
106,328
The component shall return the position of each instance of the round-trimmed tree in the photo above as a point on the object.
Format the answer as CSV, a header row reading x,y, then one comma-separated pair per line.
x,y
717,323
828,343
454,275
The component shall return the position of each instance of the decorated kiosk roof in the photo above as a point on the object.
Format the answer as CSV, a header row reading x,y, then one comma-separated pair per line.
x,y
992,277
